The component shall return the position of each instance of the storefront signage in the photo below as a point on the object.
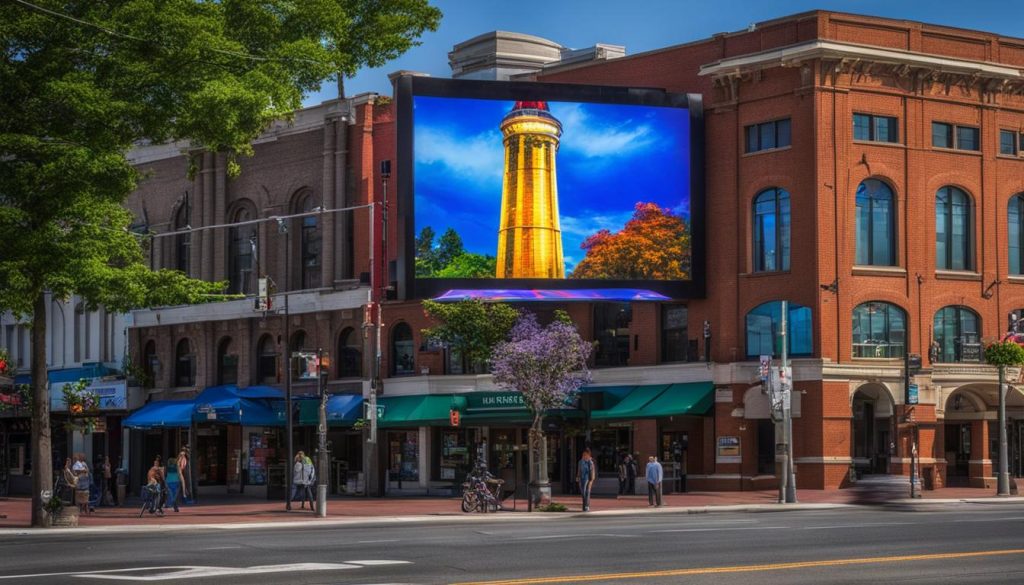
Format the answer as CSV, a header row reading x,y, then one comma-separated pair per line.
x,y
728,446
912,394
494,401
970,352
113,395
453,417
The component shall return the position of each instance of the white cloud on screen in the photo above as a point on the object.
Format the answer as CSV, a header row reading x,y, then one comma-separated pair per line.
x,y
593,138
589,225
479,157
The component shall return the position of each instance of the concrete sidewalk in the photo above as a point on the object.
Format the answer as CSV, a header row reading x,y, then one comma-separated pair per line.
x,y
245,511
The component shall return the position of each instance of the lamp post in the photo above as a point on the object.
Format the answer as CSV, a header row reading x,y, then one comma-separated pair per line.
x,y
323,471
1003,479
787,410
282,228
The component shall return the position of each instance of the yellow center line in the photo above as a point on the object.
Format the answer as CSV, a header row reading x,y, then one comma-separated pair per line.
x,y
748,568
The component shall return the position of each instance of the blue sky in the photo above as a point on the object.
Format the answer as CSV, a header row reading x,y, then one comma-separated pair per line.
x,y
610,157
651,25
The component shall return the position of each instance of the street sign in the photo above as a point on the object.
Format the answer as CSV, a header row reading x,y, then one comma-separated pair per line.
x,y
454,417
263,296
914,360
912,394
367,410
766,363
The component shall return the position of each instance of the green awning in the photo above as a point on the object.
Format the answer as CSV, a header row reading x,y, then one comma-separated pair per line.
x,y
632,405
413,411
694,398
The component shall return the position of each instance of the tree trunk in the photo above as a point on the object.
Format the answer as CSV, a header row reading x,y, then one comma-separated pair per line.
x,y
42,456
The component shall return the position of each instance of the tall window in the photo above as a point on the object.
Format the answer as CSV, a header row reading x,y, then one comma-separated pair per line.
x,y
764,323
875,128
954,230
403,356
876,231
240,253
953,136
227,363
1015,233
879,331
1011,143
266,360
674,342
182,242
350,356
768,135
771,230
957,334
184,364
310,243
611,330
150,364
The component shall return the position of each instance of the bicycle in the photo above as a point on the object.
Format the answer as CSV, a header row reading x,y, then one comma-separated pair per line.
x,y
150,493
477,495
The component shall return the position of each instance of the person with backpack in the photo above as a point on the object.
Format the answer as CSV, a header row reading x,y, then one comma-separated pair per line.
x,y
309,480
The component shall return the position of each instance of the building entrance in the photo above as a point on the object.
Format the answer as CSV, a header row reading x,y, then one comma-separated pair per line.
x,y
958,453
872,430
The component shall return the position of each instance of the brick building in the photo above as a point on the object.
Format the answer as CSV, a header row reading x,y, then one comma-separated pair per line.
x,y
823,130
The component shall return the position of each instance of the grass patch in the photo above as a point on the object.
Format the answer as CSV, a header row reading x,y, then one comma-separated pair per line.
x,y
553,507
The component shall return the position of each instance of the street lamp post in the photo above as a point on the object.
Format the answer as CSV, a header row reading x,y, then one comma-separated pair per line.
x,y
1003,479
787,410
282,228
322,463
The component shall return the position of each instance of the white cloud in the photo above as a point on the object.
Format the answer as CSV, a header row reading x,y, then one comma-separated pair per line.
x,y
477,157
593,138
589,225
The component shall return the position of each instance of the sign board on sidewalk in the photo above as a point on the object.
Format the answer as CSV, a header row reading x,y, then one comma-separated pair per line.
x,y
728,446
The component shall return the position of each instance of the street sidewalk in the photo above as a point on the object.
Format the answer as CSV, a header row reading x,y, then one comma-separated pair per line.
x,y
242,511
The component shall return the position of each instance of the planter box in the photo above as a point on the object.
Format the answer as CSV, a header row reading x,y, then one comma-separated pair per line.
x,y
66,518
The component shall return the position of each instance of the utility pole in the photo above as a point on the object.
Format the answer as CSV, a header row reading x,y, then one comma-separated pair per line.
x,y
323,472
910,399
787,411
282,228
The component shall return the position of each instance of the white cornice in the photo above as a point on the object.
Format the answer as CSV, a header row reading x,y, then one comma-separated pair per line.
x,y
820,49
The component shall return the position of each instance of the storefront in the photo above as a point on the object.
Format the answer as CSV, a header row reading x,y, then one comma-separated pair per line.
x,y
344,444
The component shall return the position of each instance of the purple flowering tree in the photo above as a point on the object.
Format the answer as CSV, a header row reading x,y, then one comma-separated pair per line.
x,y
548,365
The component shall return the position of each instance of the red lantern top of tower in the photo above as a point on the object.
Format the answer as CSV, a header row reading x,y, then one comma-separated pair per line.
x,y
534,105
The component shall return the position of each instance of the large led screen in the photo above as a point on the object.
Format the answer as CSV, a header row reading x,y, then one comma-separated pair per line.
x,y
554,192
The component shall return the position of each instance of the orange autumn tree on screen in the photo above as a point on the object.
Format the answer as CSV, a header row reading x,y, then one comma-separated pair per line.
x,y
653,245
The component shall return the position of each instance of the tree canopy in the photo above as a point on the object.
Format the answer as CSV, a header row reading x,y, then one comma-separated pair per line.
x,y
471,328
654,244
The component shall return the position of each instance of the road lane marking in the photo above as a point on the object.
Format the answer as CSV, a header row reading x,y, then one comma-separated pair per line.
x,y
166,573
377,541
748,568
717,529
856,525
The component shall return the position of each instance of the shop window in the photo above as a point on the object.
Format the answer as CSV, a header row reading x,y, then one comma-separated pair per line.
x,y
879,331
763,325
876,225
954,136
183,241
611,330
954,229
310,242
768,135
184,364
876,128
350,356
957,335
266,360
771,230
404,456
1015,233
403,357
674,342
456,451
227,363
242,241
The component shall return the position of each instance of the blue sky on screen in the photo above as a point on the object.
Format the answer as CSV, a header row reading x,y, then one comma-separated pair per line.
x,y
610,157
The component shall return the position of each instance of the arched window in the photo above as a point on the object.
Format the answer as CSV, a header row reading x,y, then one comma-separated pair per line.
x,y
771,230
403,357
763,326
184,364
183,242
879,331
954,230
876,225
150,364
227,363
309,244
266,360
350,357
242,240
957,335
297,343
1015,233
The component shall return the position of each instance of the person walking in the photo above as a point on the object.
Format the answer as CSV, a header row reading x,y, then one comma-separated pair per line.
x,y
298,479
109,488
156,483
586,472
631,475
654,476
81,471
309,476
183,473
174,484
623,475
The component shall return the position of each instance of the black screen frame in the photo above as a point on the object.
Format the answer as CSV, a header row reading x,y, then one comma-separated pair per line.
x,y
409,86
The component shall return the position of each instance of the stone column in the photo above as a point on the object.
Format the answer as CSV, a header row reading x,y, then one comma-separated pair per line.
x,y
981,459
219,202
206,242
327,201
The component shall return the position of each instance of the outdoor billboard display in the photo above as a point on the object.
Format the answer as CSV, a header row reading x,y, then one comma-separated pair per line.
x,y
521,185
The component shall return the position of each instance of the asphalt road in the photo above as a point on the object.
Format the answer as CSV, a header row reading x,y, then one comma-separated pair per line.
x,y
967,543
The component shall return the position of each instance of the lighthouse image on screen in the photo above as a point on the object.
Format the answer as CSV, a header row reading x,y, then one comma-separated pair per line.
x,y
550,190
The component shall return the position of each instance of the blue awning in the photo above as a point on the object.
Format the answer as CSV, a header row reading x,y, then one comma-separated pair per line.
x,y
255,405
342,409
162,414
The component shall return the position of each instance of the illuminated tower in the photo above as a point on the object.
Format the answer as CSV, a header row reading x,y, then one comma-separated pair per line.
x,y
529,235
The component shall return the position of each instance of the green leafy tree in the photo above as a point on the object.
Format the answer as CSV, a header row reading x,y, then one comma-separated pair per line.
x,y
85,81
470,328
469,265
426,262
448,247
